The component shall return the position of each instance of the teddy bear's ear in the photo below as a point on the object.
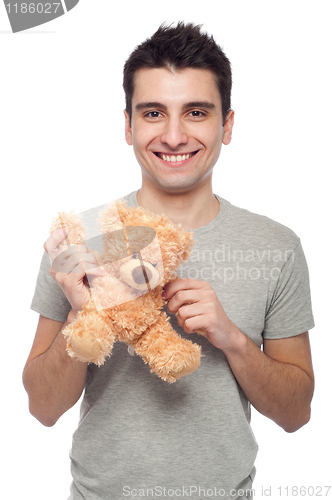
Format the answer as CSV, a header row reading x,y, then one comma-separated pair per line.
x,y
176,245
188,244
72,222
109,219
176,241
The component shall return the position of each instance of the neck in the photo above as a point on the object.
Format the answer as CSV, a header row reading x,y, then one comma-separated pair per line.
x,y
192,209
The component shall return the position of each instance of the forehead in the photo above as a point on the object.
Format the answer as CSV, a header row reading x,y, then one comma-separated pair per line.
x,y
175,87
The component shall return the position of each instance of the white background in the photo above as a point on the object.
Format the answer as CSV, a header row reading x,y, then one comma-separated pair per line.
x,y
63,147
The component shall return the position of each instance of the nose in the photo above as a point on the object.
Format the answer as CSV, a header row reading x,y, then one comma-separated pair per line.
x,y
174,134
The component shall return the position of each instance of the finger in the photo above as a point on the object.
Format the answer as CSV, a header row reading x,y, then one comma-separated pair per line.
x,y
186,311
192,325
91,274
66,252
67,261
183,297
76,278
181,284
89,268
54,240
189,317
70,283
191,312
189,325
75,264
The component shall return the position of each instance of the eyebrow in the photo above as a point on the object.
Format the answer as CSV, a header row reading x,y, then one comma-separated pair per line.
x,y
145,105
200,104
159,105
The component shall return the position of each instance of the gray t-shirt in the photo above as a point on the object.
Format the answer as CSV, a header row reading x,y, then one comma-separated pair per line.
x,y
140,436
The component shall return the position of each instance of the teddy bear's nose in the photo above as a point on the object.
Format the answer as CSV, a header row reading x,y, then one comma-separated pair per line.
x,y
141,275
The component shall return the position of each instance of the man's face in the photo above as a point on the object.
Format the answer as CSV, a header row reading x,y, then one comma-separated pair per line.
x,y
177,127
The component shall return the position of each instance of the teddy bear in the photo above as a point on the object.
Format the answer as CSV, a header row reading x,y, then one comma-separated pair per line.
x,y
139,253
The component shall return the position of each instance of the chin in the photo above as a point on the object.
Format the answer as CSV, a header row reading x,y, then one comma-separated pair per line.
x,y
177,183
177,188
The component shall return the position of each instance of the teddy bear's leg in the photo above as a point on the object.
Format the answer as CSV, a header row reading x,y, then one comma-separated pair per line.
x,y
168,355
89,337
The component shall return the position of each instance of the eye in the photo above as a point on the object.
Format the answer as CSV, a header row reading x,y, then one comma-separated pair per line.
x,y
152,114
197,114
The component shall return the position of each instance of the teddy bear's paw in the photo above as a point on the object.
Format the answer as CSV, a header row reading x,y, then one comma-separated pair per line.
x,y
168,355
183,362
86,346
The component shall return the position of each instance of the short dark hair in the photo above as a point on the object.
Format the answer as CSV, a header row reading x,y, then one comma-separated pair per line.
x,y
180,47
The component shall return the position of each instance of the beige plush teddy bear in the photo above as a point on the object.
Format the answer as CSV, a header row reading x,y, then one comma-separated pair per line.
x,y
140,253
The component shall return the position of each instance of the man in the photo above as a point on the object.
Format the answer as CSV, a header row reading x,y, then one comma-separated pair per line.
x,y
246,285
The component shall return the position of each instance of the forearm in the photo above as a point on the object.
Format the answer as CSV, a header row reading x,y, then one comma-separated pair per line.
x,y
54,381
280,391
278,382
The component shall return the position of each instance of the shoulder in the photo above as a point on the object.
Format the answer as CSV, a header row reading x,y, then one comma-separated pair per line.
x,y
256,228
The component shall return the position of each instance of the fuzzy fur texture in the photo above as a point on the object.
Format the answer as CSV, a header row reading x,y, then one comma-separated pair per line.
x,y
120,312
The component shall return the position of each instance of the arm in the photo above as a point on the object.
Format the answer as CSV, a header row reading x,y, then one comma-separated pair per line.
x,y
278,382
53,380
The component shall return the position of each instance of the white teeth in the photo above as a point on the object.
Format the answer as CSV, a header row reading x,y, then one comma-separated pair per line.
x,y
175,158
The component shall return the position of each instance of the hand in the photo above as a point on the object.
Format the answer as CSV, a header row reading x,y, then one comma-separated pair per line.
x,y
197,308
70,266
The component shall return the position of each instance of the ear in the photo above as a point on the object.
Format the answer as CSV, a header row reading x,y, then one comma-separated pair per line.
x,y
228,127
128,132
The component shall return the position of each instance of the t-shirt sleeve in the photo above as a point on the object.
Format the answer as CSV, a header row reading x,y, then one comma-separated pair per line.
x,y
48,299
289,311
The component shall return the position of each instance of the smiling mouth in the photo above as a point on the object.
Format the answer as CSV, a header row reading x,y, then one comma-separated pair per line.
x,y
175,158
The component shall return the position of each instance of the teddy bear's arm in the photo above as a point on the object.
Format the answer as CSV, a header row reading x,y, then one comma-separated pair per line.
x,y
167,354
90,337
